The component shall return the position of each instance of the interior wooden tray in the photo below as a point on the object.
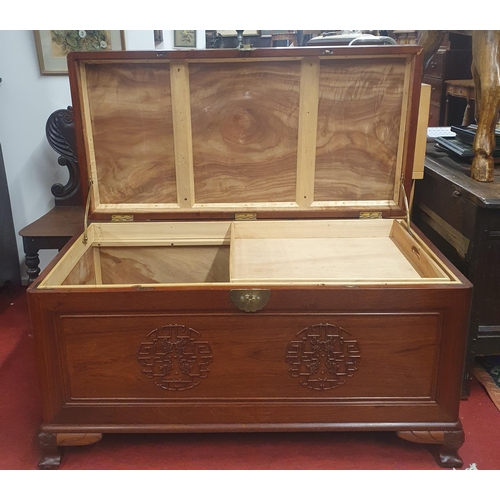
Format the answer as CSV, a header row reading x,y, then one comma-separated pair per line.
x,y
252,252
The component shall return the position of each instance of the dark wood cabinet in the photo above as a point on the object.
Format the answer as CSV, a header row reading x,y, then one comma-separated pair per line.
x,y
446,65
461,216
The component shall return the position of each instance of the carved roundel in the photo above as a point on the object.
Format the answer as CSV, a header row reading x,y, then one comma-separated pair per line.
x,y
174,357
323,357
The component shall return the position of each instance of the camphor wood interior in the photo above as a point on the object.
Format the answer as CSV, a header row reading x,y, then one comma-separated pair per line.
x,y
285,137
319,252
188,134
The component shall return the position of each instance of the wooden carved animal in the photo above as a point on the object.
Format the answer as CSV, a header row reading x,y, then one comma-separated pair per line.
x,y
486,74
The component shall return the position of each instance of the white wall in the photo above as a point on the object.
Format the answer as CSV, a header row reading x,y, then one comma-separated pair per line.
x,y
26,101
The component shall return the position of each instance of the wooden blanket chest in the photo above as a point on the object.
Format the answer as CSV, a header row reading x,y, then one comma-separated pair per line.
x,y
248,263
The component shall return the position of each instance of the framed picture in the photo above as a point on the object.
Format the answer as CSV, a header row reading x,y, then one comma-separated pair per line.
x,y
185,38
53,46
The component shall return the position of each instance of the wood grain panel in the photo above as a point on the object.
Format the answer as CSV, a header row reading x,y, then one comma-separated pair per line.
x,y
245,131
398,356
320,259
180,264
131,111
84,271
355,156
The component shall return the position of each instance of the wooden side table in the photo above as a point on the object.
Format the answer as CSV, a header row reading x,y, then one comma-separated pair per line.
x,y
54,229
461,216
51,231
463,89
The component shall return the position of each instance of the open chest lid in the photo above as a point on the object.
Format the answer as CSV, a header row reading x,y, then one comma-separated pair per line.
x,y
272,133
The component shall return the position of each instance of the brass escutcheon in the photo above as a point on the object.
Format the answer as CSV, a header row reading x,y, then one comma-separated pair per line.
x,y
250,300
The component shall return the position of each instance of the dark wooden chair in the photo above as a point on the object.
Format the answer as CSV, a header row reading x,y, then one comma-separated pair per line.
x,y
55,229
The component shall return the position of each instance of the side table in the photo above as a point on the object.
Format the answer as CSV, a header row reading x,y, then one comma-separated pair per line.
x,y
463,89
51,231
54,229
461,216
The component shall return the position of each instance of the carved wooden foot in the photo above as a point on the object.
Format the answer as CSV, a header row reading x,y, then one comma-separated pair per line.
x,y
449,441
50,443
483,168
51,455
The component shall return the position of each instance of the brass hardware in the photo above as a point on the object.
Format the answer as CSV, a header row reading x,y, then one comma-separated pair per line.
x,y
457,194
327,52
122,218
245,216
250,300
86,216
370,215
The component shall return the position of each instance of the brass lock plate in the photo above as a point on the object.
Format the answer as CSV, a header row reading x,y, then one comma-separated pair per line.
x,y
250,300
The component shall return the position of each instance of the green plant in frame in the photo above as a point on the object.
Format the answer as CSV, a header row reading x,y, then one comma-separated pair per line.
x,y
187,37
66,41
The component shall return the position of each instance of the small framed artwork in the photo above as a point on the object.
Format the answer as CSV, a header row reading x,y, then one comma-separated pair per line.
x,y
185,38
53,46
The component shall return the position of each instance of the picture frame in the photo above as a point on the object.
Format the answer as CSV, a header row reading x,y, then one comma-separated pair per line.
x,y
53,46
185,39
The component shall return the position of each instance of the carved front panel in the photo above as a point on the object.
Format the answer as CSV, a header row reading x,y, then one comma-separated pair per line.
x,y
175,358
249,356
323,357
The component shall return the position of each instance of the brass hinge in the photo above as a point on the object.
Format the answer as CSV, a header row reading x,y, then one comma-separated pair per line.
x,y
245,216
370,215
122,218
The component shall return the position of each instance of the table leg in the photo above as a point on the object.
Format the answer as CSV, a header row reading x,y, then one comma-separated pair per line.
x,y
466,118
446,110
32,258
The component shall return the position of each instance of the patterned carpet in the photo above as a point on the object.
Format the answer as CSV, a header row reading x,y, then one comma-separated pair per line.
x,y
487,371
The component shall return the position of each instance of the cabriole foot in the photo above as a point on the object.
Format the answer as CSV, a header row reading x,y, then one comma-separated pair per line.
x,y
449,443
51,454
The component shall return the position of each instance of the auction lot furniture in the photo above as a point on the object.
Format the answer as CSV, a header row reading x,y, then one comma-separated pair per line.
x,y
461,216
249,263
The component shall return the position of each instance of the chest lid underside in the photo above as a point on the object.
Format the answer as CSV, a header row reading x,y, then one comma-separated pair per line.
x,y
283,133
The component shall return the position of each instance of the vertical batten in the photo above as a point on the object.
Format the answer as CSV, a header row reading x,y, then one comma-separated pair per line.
x,y
97,265
403,129
89,139
308,125
183,136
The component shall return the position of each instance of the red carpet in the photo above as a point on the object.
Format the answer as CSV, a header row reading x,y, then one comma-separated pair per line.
x,y
20,417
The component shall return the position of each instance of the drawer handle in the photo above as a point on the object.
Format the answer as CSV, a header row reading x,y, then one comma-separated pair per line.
x,y
250,300
434,64
457,194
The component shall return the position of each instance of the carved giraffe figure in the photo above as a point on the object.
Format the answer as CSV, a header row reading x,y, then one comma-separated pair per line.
x,y
486,74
